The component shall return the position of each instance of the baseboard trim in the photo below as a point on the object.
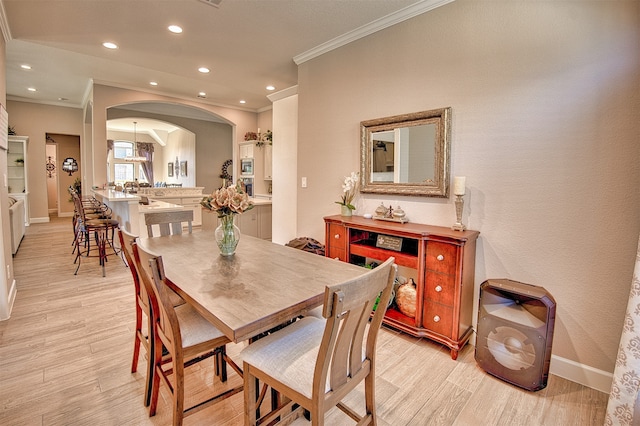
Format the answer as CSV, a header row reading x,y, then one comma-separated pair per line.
x,y
39,219
6,310
583,374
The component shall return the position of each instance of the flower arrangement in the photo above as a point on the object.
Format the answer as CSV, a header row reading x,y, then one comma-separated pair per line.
x,y
349,190
260,138
227,201
250,136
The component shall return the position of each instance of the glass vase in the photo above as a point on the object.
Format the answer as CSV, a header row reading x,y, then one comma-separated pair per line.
x,y
227,235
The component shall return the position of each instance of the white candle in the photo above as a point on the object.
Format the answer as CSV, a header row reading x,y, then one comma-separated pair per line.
x,y
458,185
258,130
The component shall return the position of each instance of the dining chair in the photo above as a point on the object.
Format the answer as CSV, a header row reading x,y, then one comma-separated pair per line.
x,y
314,363
143,308
169,222
186,335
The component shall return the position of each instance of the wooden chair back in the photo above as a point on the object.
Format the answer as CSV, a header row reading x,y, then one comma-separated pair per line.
x,y
170,223
347,352
163,315
127,240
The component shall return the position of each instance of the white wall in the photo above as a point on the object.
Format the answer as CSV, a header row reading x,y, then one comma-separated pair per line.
x,y
545,99
285,170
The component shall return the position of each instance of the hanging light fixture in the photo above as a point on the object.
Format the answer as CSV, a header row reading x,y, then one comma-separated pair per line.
x,y
135,158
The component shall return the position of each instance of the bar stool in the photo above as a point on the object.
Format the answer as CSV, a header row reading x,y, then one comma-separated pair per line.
x,y
102,229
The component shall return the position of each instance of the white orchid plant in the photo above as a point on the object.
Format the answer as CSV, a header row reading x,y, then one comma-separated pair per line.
x,y
349,190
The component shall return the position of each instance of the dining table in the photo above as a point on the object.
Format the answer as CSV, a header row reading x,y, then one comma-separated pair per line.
x,y
260,287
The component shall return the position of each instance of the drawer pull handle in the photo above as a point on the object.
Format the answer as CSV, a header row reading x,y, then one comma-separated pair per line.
x,y
438,288
440,257
337,236
436,319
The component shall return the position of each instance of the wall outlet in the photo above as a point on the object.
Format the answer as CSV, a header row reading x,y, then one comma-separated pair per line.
x,y
303,182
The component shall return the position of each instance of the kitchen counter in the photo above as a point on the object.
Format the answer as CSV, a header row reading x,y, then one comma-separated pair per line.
x,y
260,201
159,206
124,208
116,196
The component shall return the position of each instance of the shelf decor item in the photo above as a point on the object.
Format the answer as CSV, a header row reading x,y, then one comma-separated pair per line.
x,y
458,191
227,202
349,191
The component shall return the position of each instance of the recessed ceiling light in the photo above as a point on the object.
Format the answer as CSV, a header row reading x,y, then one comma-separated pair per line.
x,y
32,89
202,95
175,29
203,70
243,101
153,83
271,88
110,45
25,66
63,99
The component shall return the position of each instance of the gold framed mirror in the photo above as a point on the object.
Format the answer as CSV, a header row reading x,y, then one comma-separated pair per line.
x,y
406,154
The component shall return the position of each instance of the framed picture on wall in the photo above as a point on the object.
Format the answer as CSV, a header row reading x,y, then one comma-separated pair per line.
x,y
183,168
170,170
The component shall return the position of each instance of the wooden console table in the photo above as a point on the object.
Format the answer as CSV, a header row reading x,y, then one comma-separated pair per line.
x,y
441,261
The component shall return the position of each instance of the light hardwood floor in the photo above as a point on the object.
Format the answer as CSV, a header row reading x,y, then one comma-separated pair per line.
x,y
65,355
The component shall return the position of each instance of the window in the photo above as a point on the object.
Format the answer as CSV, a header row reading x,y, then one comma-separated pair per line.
x,y
122,149
123,172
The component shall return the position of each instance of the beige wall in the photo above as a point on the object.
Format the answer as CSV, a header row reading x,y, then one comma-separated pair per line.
x,y
35,121
545,99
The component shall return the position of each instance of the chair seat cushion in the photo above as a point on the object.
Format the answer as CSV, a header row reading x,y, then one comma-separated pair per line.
x,y
194,328
290,354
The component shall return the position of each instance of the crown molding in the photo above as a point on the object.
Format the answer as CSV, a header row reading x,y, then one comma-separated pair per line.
x,y
284,93
368,29
4,24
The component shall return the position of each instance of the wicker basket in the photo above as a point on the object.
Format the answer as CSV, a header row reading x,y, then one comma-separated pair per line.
x,y
406,298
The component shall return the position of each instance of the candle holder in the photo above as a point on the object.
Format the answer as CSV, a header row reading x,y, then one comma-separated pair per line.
x,y
459,226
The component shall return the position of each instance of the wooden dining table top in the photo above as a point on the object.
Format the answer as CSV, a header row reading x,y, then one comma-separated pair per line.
x,y
261,286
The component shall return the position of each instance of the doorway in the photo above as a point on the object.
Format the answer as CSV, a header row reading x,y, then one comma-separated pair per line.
x,y
60,147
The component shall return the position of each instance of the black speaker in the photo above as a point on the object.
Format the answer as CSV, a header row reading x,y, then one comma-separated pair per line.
x,y
515,332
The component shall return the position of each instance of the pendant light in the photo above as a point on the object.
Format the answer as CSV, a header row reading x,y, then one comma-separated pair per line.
x,y
135,158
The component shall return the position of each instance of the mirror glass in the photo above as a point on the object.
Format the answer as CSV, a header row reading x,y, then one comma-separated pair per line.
x,y
406,154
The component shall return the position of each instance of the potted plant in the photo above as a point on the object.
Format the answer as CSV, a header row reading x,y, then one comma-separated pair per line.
x,y
349,191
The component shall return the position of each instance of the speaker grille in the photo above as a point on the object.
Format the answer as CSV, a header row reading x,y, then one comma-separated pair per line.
x,y
515,332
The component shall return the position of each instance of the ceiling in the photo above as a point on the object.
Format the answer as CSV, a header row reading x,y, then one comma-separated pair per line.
x,y
246,44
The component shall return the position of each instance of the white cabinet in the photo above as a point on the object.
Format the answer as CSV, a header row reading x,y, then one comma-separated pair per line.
x,y
256,222
268,163
193,203
17,167
246,150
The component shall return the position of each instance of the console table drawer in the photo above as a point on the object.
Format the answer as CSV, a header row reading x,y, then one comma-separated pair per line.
x,y
440,288
438,318
337,236
337,253
441,257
